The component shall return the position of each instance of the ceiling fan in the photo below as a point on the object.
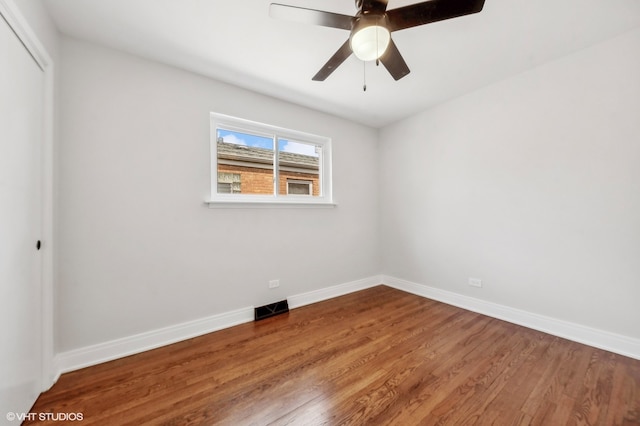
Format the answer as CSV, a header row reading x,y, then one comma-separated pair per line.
x,y
371,28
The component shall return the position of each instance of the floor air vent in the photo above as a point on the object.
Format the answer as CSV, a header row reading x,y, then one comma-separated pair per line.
x,y
270,310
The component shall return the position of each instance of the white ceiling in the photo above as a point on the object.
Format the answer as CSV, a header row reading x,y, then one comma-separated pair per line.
x,y
236,41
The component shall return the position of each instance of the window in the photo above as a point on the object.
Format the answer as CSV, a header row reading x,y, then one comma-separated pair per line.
x,y
263,164
299,187
228,183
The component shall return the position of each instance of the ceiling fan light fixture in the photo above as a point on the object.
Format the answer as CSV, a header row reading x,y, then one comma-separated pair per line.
x,y
370,42
370,28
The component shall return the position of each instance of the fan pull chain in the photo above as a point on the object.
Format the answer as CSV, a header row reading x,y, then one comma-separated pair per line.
x,y
364,76
377,47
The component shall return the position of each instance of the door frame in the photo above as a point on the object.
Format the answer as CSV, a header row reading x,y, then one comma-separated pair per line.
x,y
29,39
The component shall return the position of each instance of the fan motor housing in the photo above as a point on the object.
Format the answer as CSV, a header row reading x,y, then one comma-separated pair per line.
x,y
362,21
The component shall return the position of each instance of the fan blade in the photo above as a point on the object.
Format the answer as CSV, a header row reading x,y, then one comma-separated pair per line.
x,y
376,6
334,62
310,16
431,11
394,62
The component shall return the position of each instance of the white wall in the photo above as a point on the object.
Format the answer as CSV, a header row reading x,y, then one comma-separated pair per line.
x,y
532,185
139,250
529,184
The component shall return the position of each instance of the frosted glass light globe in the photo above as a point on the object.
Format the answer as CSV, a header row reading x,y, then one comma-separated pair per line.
x,y
369,43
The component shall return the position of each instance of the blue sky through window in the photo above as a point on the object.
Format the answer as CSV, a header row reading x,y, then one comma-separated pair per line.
x,y
245,139
297,147
284,145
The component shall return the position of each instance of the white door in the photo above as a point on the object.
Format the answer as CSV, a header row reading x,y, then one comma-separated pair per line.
x,y
21,136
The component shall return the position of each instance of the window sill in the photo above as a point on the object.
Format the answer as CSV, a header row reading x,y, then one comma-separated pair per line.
x,y
268,205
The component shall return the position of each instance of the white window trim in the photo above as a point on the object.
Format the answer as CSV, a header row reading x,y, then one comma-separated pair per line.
x,y
227,122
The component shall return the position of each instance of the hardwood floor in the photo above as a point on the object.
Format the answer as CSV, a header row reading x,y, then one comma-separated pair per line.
x,y
376,357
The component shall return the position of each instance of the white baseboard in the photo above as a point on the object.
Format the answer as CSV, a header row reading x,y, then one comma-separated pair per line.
x,y
612,342
334,291
107,351
114,349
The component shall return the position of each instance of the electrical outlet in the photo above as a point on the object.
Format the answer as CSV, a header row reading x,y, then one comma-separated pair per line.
x,y
274,283
475,282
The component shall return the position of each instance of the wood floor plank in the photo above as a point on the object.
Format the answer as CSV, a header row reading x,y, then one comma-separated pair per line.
x,y
375,357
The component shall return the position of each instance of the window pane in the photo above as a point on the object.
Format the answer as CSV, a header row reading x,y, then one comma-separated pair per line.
x,y
268,164
299,168
245,163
